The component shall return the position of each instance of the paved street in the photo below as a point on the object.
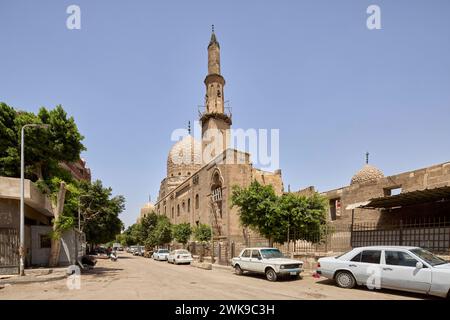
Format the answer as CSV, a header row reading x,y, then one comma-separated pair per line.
x,y
141,278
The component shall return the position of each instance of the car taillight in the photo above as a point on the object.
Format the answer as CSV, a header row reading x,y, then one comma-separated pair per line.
x,y
318,265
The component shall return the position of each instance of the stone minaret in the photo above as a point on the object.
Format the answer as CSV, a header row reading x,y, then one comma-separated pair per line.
x,y
215,122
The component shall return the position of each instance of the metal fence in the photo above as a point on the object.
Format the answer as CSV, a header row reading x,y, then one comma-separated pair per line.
x,y
328,239
9,250
432,234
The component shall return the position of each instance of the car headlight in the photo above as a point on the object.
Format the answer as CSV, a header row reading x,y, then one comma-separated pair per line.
x,y
282,267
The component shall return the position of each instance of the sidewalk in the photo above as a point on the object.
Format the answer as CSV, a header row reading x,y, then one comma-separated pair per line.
x,y
34,275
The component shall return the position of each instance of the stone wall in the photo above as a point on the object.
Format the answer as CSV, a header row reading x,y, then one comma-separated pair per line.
x,y
182,201
426,178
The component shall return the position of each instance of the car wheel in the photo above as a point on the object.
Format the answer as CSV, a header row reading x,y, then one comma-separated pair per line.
x,y
271,275
238,270
345,279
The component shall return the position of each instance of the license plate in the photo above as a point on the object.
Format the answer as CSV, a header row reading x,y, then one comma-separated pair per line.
x,y
293,273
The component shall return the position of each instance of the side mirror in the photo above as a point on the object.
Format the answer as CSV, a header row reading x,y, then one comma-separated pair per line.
x,y
419,265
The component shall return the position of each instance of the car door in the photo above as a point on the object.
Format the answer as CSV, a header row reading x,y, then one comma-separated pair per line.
x,y
365,265
245,259
255,263
399,271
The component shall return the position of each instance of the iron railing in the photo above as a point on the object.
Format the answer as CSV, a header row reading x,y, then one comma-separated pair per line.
x,y
431,233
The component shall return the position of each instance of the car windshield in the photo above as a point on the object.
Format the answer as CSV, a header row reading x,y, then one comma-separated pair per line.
x,y
428,257
183,252
163,251
271,253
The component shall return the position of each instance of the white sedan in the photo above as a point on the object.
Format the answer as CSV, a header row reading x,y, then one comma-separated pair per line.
x,y
268,261
161,254
179,256
392,267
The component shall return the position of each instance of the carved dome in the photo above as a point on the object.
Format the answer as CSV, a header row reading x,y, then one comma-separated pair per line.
x,y
368,173
184,157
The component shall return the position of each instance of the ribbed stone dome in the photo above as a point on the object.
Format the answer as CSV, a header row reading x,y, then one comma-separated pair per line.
x,y
184,157
368,173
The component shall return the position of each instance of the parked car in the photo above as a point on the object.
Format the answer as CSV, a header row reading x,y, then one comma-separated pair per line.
x,y
269,261
132,249
179,256
117,247
400,268
161,254
139,251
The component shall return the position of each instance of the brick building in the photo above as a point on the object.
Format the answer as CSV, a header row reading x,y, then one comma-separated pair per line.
x,y
196,188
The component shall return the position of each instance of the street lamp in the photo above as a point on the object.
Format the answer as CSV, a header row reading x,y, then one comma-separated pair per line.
x,y
22,191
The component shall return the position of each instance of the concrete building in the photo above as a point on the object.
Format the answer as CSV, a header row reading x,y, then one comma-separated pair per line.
x,y
38,212
78,169
38,226
201,174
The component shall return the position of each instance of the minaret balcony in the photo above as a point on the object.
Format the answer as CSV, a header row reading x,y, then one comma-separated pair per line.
x,y
204,114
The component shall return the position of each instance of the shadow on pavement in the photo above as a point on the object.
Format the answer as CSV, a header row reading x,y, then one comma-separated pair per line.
x,y
102,271
329,282
262,277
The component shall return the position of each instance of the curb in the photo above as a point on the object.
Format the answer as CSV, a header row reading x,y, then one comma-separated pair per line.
x,y
221,267
31,280
202,265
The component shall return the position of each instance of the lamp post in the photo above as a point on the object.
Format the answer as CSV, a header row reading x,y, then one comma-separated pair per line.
x,y
22,192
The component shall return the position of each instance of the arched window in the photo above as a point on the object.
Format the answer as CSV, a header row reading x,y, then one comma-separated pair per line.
x,y
172,213
183,206
189,205
197,202
178,210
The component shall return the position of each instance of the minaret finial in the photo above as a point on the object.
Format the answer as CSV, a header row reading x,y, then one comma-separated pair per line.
x,y
212,28
367,157
189,127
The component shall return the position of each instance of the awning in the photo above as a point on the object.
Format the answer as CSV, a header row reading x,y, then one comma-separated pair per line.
x,y
409,198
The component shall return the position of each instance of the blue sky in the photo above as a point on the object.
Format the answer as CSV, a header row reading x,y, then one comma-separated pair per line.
x,y
135,70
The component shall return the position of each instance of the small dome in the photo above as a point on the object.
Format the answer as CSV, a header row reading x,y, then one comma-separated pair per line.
x,y
368,173
184,157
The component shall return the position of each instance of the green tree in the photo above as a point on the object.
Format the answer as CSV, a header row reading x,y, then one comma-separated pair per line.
x,y
44,150
130,235
100,212
258,209
146,226
275,216
202,233
306,215
182,233
161,234
9,142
